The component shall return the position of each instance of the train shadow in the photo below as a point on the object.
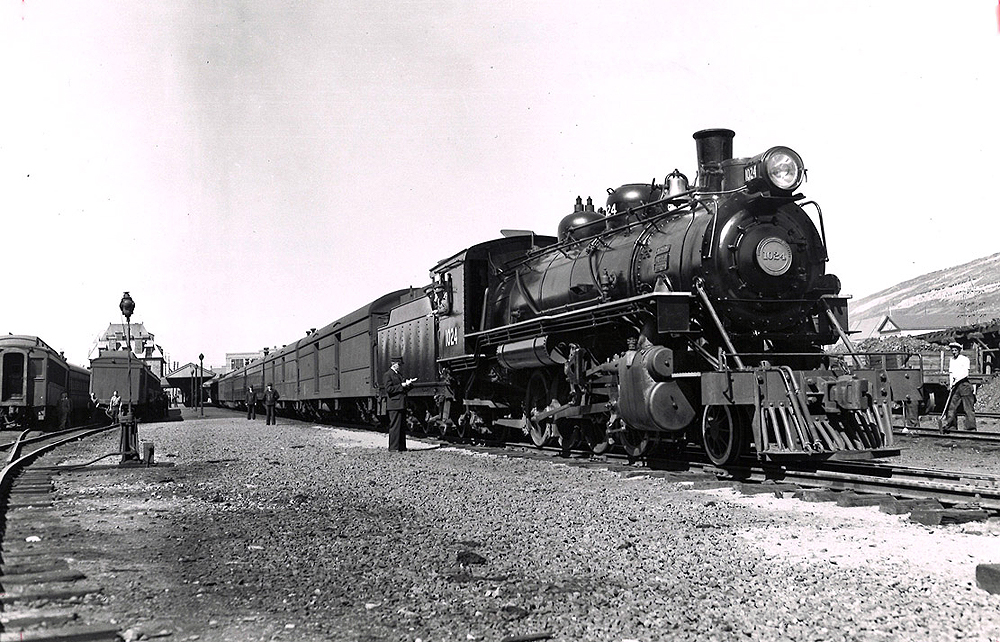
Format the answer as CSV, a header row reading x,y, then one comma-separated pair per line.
x,y
668,465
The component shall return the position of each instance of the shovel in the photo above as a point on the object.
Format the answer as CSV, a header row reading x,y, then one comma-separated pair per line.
x,y
945,410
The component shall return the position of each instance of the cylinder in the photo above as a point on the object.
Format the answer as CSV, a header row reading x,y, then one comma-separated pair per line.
x,y
529,353
659,362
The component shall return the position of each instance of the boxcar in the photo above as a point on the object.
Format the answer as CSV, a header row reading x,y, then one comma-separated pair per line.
x,y
33,377
110,371
330,373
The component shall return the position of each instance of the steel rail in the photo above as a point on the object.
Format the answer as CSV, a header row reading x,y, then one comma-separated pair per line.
x,y
949,487
43,436
964,435
872,477
984,497
16,462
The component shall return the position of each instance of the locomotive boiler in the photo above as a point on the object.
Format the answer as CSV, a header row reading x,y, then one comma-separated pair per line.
x,y
757,256
678,311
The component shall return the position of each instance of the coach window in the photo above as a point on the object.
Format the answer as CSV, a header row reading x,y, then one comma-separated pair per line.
x,y
13,376
57,374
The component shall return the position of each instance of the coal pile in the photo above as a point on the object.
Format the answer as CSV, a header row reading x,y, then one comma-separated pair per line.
x,y
897,344
988,396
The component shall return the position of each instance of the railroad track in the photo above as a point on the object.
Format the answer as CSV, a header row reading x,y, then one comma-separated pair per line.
x,y
856,482
959,435
958,496
953,490
932,496
36,581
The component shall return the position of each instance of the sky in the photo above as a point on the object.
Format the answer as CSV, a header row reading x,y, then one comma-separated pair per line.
x,y
250,169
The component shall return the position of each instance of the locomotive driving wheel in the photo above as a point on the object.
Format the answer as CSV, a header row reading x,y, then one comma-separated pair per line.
x,y
536,400
595,436
724,433
440,428
569,434
637,443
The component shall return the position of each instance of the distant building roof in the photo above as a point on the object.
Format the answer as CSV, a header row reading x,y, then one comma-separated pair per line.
x,y
864,329
188,371
902,324
987,331
917,322
137,330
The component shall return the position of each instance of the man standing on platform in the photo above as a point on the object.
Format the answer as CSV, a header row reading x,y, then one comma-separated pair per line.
x,y
962,391
251,403
65,409
270,401
395,391
114,407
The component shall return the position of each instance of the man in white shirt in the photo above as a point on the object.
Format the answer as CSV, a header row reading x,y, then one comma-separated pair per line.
x,y
962,391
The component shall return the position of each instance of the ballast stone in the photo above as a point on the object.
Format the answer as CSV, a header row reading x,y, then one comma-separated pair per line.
x,y
988,577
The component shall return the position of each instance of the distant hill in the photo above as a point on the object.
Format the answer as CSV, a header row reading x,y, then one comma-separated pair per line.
x,y
965,295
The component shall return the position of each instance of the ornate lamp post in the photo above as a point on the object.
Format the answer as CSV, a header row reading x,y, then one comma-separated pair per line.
x,y
129,432
201,381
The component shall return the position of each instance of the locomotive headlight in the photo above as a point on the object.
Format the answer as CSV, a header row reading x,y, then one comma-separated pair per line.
x,y
777,169
784,169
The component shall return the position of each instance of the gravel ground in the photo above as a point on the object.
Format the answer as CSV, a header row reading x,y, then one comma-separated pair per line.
x,y
951,454
300,532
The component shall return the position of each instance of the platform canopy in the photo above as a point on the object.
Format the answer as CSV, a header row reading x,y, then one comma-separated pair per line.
x,y
186,379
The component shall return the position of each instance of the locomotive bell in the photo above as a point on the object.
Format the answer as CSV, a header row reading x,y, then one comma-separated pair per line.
x,y
676,183
583,222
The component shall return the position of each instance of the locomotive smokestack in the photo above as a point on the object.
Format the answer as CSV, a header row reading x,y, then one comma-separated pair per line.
x,y
714,146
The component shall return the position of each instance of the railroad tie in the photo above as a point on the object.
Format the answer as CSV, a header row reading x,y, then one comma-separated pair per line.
x,y
937,517
894,506
851,500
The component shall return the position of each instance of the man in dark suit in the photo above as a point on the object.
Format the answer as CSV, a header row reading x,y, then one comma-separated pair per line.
x,y
270,401
65,408
395,391
251,403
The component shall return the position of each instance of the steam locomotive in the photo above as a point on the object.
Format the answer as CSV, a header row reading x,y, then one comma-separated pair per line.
x,y
676,312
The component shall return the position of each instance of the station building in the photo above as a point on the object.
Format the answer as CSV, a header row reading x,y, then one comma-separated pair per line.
x,y
143,345
236,360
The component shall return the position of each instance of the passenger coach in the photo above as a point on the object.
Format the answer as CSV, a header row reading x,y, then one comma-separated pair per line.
x,y
33,377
